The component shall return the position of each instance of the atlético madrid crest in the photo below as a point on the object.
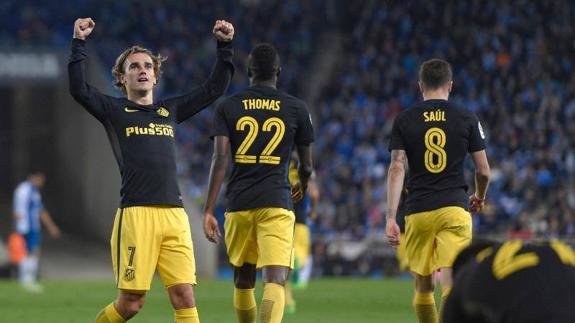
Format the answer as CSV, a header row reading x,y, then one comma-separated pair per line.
x,y
163,112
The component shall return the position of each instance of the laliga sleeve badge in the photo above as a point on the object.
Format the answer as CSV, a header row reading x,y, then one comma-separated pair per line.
x,y
163,112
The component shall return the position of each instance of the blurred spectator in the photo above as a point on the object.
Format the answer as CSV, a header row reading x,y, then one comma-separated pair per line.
x,y
29,214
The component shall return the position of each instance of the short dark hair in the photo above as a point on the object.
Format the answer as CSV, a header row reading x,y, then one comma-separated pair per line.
x,y
435,73
264,62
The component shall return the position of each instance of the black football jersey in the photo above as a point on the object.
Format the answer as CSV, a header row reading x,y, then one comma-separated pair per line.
x,y
514,283
436,136
142,136
263,125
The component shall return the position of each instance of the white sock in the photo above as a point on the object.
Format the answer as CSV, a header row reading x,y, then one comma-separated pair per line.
x,y
305,272
28,270
34,268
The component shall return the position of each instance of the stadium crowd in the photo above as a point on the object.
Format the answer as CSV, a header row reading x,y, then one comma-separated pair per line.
x,y
512,66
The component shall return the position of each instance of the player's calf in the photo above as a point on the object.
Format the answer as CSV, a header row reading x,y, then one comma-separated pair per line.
x,y
423,300
273,300
184,303
244,296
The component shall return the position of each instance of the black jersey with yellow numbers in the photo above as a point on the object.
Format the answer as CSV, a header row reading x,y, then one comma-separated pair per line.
x,y
514,283
436,136
142,136
263,125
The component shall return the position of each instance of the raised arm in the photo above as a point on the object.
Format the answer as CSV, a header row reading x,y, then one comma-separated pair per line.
x,y
215,86
83,93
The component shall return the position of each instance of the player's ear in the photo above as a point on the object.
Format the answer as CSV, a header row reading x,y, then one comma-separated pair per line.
x,y
421,87
450,86
279,71
250,75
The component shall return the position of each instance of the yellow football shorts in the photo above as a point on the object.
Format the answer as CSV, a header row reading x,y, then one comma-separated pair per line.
x,y
302,244
148,237
434,238
262,236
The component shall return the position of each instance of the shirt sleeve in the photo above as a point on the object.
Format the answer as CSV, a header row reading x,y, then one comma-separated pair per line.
x,y
21,208
89,97
220,125
396,141
22,200
476,135
215,86
304,135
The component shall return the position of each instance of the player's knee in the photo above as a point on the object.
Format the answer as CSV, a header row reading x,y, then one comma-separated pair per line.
x,y
130,305
424,284
133,308
182,296
245,276
275,274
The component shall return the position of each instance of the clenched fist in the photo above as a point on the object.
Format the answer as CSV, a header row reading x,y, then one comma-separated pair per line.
x,y
223,31
83,27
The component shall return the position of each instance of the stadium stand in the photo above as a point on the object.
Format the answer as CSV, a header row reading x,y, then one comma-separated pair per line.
x,y
513,70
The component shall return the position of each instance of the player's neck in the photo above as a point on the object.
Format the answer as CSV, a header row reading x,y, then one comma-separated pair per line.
x,y
439,94
141,97
268,83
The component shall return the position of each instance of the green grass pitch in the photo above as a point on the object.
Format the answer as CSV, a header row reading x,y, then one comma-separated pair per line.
x,y
325,300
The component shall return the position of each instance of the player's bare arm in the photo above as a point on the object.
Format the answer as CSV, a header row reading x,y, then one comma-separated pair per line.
x,y
395,177
216,179
49,223
304,172
223,31
83,27
482,174
314,197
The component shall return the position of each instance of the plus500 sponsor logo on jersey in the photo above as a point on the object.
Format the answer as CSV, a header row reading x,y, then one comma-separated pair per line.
x,y
153,129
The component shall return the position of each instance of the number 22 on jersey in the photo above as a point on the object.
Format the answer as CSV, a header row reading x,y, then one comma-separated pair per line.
x,y
251,125
435,157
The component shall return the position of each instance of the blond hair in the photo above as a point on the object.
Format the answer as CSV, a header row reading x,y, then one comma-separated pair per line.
x,y
118,68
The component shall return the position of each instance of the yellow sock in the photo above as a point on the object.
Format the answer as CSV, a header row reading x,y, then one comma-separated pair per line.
x,y
444,294
109,315
187,315
424,305
273,302
245,304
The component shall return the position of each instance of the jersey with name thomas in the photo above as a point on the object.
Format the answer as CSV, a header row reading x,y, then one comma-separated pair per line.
x,y
263,124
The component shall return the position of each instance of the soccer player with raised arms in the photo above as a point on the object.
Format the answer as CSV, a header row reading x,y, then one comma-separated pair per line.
x,y
151,229
258,128
434,138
